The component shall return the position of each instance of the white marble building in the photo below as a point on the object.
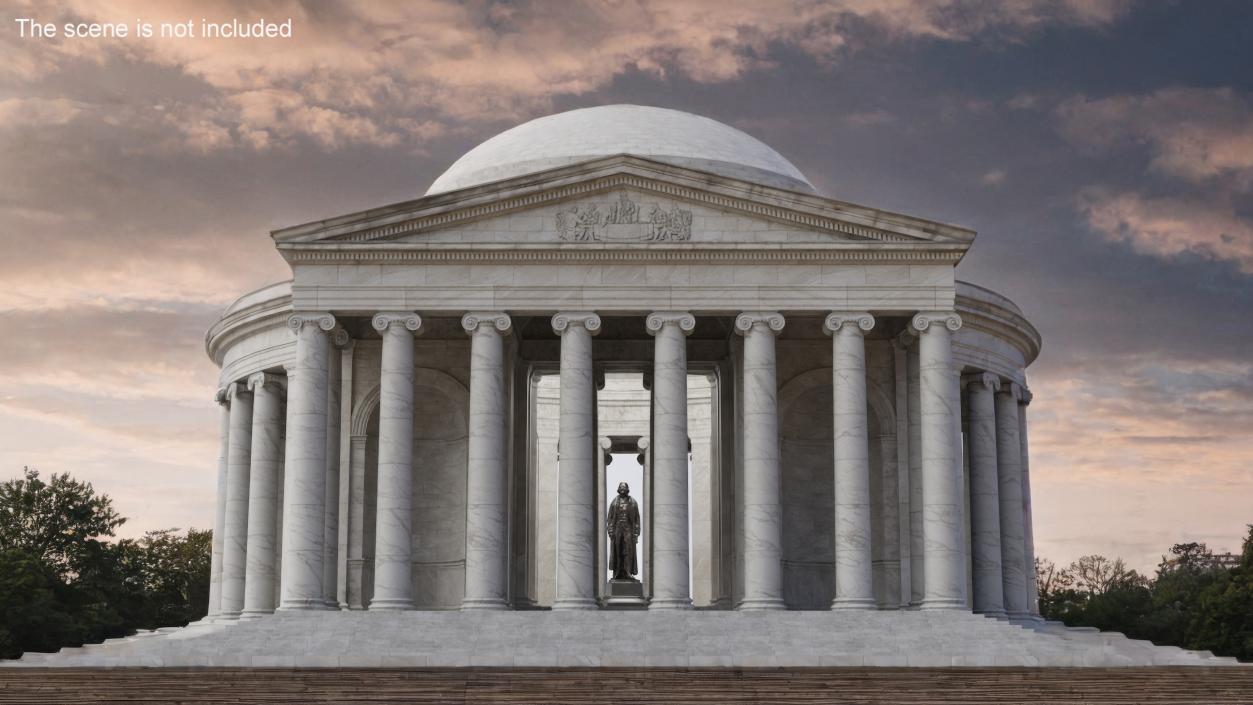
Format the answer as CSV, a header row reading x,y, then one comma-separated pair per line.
x,y
416,425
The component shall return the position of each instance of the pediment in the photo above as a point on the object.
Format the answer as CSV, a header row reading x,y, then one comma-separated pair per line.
x,y
623,201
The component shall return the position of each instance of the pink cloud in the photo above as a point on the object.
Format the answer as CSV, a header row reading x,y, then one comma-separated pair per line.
x,y
1168,227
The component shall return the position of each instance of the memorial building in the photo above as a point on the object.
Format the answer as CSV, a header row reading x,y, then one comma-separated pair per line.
x,y
423,432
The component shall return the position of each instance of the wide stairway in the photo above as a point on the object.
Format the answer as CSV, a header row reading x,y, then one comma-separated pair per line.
x,y
906,686
689,639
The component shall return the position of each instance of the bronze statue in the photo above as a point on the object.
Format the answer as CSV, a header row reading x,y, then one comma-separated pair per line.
x,y
623,527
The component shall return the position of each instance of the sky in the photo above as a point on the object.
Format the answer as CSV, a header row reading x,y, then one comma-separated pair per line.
x,y
1103,151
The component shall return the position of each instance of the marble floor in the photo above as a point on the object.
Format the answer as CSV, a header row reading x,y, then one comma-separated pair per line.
x,y
696,638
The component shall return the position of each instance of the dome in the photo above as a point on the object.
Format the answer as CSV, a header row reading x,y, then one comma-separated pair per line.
x,y
670,136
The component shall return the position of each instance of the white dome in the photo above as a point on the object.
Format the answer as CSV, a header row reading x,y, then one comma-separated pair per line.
x,y
670,136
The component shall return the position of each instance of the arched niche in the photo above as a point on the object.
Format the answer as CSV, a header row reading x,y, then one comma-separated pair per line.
x,y
807,458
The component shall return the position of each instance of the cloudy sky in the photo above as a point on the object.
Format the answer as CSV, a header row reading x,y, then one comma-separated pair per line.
x,y
1103,151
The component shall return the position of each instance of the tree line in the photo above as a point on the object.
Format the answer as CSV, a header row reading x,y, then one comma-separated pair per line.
x,y
1194,600
64,583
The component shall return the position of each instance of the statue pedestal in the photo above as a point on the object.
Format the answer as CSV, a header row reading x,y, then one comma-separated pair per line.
x,y
625,595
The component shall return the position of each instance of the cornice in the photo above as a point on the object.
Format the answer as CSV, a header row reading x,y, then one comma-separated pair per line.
x,y
625,171
419,253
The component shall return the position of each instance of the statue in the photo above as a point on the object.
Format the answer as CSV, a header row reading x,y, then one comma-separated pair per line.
x,y
623,527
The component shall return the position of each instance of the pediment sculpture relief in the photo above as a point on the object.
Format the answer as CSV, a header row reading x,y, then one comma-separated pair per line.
x,y
624,221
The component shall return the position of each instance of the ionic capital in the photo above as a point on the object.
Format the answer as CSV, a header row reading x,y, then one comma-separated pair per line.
x,y
987,379
472,322
1025,396
859,322
411,321
587,320
234,389
340,338
261,379
1014,390
660,319
223,396
771,321
922,321
321,319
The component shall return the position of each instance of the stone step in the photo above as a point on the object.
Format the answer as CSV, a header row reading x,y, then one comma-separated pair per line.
x,y
911,686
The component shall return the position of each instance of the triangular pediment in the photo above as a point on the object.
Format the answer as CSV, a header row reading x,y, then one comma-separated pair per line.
x,y
624,200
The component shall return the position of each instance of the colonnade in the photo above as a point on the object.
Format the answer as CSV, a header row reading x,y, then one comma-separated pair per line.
x,y
256,531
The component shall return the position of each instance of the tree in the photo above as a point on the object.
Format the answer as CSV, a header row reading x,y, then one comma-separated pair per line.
x,y
63,584
60,522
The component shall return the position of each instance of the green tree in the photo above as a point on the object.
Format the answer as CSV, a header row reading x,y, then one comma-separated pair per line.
x,y
61,522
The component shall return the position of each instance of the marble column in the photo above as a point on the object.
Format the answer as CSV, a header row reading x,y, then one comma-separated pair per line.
x,y
235,534
304,473
763,525
939,404
854,578
355,582
267,449
330,505
577,572
1009,472
985,510
219,517
917,541
487,469
671,560
1033,597
393,534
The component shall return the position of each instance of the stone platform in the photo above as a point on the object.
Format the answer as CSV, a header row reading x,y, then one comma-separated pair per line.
x,y
683,639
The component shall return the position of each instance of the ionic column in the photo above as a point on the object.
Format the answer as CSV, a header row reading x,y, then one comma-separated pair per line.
x,y
487,470
219,517
671,561
576,479
355,580
763,526
1033,597
267,449
940,402
393,535
985,511
235,531
854,579
1009,471
917,540
304,473
330,504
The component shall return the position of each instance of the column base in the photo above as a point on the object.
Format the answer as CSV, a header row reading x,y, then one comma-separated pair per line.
x,y
228,616
391,605
483,603
575,603
671,603
853,603
993,614
249,615
1019,617
303,605
942,603
760,603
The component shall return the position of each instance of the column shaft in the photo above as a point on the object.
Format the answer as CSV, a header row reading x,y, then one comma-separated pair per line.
x,y
1033,597
267,449
219,516
985,511
763,528
854,579
393,536
671,561
1009,472
940,402
330,503
355,584
576,479
487,471
917,540
235,536
304,473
